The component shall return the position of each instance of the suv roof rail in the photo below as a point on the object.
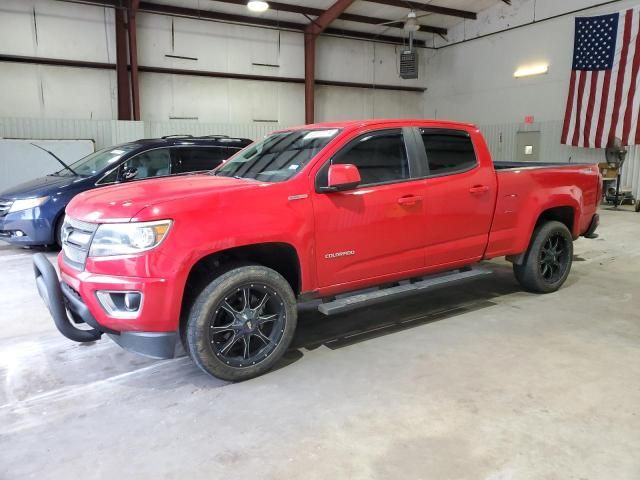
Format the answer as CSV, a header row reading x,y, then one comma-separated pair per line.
x,y
214,136
177,136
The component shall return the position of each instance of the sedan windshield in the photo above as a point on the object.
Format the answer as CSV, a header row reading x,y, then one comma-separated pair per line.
x,y
97,161
279,156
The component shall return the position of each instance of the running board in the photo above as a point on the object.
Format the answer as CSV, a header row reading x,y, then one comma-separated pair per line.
x,y
404,289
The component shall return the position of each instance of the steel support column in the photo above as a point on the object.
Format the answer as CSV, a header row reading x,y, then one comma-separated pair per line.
x,y
311,32
122,71
133,57
309,77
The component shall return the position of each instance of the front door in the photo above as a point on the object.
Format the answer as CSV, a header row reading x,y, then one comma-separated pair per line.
x,y
376,229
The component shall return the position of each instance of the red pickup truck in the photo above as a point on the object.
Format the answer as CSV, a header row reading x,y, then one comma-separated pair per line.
x,y
326,211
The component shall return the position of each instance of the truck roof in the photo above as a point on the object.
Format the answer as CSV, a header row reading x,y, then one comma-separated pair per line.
x,y
353,124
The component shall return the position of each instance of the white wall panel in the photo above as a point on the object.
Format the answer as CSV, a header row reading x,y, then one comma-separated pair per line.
x,y
56,92
20,90
363,62
103,133
340,103
501,139
49,28
220,100
20,161
16,28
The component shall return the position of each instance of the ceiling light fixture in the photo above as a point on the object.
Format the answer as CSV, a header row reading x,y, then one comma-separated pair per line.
x,y
257,6
531,70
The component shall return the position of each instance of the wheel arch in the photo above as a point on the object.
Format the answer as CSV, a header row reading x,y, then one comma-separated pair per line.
x,y
279,256
565,214
56,219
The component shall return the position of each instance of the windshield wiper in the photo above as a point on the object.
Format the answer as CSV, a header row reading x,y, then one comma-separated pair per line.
x,y
57,158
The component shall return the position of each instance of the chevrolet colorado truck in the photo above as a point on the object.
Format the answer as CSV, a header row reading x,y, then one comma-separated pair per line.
x,y
352,213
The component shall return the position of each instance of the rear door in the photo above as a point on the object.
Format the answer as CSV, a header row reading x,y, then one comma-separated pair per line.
x,y
459,198
376,229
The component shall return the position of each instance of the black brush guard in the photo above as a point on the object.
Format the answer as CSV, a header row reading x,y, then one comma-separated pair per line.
x,y
65,306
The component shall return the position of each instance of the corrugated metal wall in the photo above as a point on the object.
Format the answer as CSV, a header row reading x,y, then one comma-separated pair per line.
x,y
106,133
501,138
502,143
631,171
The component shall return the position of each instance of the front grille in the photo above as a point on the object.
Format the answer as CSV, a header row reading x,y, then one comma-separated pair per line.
x,y
5,205
76,241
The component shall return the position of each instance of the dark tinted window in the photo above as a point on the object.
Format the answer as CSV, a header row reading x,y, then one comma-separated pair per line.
x,y
448,152
193,159
380,157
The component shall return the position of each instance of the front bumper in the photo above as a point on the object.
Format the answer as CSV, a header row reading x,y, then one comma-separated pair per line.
x,y
68,309
25,228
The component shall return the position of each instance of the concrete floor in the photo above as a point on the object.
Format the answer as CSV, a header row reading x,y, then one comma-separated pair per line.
x,y
482,381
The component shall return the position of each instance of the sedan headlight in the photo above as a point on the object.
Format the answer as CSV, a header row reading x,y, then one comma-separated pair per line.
x,y
27,203
127,238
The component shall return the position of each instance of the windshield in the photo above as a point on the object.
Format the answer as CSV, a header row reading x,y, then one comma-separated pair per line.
x,y
278,157
97,161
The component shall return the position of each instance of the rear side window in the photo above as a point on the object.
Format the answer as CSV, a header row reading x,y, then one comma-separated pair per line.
x,y
194,159
381,157
448,153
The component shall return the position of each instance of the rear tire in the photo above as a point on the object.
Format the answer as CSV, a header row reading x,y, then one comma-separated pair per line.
x,y
548,260
242,323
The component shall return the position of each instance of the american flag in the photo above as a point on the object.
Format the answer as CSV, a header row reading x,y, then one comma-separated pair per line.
x,y
604,93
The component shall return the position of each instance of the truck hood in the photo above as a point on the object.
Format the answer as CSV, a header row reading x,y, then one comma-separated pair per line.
x,y
120,203
42,186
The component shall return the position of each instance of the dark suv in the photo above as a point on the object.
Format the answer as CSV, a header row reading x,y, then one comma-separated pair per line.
x,y
32,213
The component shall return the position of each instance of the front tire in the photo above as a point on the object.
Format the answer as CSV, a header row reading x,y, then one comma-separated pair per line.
x,y
548,260
58,231
242,323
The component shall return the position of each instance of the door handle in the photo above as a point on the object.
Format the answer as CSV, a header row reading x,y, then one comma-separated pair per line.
x,y
409,200
479,189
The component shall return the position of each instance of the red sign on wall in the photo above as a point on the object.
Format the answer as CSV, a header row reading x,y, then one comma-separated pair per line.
x,y
529,119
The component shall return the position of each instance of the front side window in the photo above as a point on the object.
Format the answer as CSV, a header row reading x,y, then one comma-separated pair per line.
x,y
112,177
381,157
196,159
279,156
448,153
153,163
97,161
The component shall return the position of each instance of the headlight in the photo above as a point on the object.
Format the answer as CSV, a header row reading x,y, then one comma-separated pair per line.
x,y
127,238
27,203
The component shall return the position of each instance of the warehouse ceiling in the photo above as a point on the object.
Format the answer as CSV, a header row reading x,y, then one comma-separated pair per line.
x,y
384,10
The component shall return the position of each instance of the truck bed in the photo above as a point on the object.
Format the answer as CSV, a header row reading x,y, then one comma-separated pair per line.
x,y
527,188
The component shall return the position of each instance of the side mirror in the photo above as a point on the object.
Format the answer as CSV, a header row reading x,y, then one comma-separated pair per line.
x,y
129,173
342,177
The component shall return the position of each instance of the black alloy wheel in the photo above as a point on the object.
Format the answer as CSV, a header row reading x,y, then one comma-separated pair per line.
x,y
547,262
241,323
247,325
553,258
